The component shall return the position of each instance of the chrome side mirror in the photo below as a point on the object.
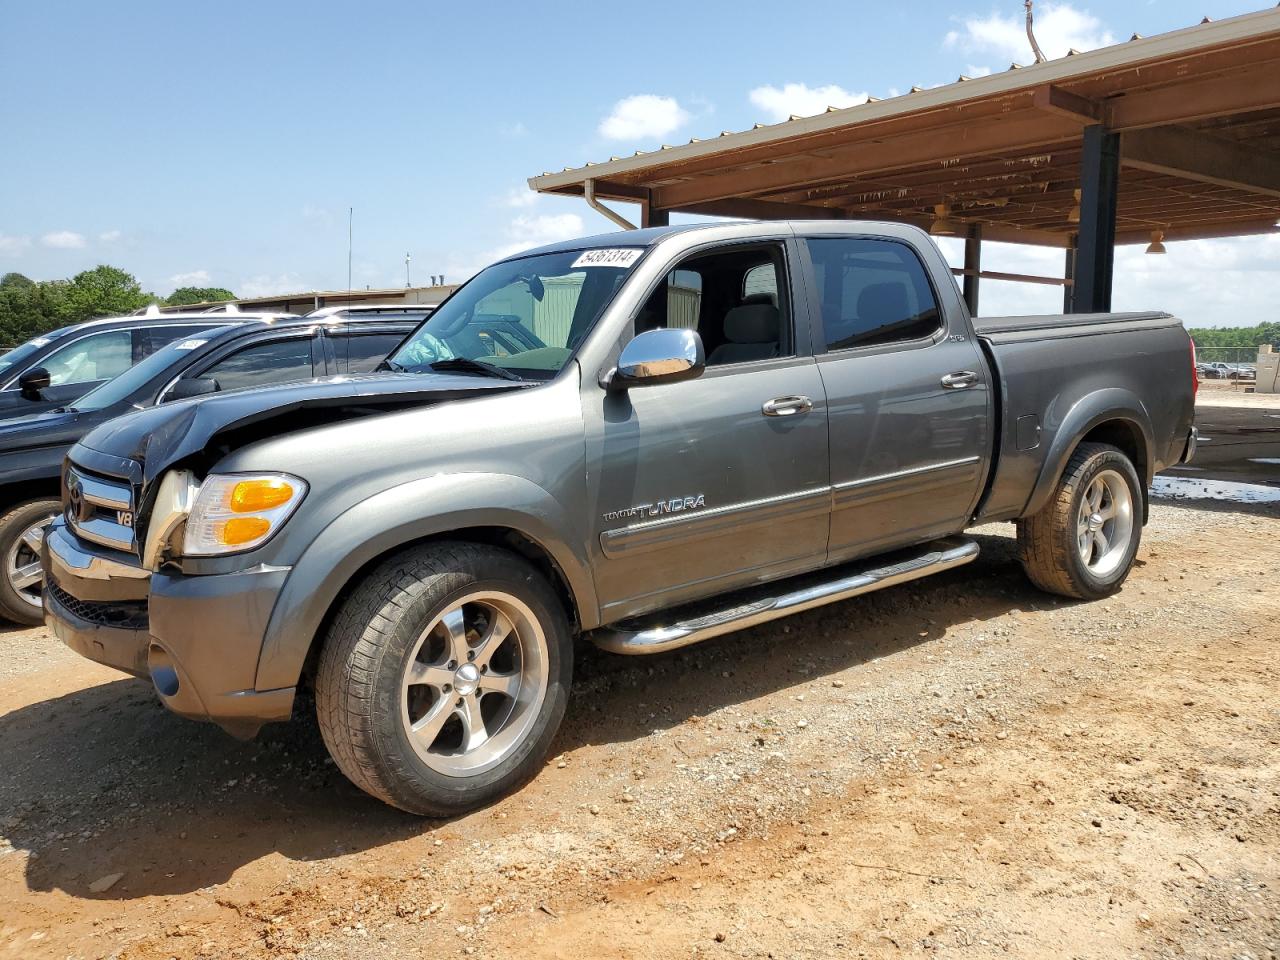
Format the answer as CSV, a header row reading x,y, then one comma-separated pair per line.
x,y
667,355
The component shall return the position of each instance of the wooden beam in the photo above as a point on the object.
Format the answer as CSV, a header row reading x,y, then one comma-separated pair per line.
x,y
1067,104
762,210
1029,130
1190,155
1238,228
1240,91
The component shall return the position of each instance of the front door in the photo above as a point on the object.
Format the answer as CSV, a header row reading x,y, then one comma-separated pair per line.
x,y
720,481
907,394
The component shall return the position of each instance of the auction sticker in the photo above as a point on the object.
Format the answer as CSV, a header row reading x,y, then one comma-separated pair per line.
x,y
621,257
190,344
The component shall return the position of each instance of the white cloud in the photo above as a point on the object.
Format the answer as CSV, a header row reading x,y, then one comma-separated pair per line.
x,y
110,236
525,232
521,197
317,215
974,71
63,240
643,116
1058,28
11,246
265,285
514,131
798,99
196,278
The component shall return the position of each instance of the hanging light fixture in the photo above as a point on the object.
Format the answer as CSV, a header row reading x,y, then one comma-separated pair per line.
x,y
1157,242
943,225
1073,216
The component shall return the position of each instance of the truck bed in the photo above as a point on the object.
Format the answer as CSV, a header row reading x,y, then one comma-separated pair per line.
x,y
1051,370
1051,326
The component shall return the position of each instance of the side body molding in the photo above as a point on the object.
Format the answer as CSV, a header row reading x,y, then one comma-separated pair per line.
x,y
422,508
1091,410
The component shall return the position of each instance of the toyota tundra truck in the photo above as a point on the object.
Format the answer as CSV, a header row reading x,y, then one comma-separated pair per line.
x,y
645,439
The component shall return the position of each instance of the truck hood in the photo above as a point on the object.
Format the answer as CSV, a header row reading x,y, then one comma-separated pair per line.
x,y
160,437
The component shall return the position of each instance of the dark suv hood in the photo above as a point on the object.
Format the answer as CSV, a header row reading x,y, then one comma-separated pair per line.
x,y
161,436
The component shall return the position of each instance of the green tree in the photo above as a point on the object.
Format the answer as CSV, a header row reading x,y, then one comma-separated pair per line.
x,y
16,281
29,308
185,295
105,291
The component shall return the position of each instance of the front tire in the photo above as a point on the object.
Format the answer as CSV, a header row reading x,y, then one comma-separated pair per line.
x,y
22,584
1083,542
444,677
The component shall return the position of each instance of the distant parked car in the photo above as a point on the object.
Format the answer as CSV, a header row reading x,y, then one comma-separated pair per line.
x,y
1219,370
58,367
250,353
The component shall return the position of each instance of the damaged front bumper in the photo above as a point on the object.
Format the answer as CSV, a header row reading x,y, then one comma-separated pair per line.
x,y
197,638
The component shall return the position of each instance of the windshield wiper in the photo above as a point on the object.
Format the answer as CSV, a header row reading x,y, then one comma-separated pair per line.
x,y
467,365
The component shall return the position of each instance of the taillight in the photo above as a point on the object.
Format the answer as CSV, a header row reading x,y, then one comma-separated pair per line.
x,y
1195,372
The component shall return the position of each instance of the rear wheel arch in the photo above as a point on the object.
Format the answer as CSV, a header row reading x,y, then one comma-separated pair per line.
x,y
1114,417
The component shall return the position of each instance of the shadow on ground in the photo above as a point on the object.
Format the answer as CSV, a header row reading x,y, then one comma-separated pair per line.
x,y
104,780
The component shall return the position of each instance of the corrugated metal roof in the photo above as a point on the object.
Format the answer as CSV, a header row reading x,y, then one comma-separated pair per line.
x,y
1074,65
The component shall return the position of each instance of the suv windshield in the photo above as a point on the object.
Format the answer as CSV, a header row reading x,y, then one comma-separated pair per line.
x,y
19,354
136,377
527,316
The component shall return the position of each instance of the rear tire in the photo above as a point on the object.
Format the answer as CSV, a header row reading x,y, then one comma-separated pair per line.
x,y
21,534
1083,542
444,677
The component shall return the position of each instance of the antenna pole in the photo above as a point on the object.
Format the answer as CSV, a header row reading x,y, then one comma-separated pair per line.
x,y
1035,47
351,217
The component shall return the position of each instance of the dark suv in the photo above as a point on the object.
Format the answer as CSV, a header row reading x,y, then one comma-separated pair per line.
x,y
250,353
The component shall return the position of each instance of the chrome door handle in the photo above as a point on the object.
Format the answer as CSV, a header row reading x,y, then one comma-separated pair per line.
x,y
786,406
959,380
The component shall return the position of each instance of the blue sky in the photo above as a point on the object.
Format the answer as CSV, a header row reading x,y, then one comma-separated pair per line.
x,y
223,143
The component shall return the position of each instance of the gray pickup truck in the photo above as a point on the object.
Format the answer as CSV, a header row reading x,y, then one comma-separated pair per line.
x,y
647,439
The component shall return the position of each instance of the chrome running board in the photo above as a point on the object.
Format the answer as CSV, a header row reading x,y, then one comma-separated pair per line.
x,y
712,618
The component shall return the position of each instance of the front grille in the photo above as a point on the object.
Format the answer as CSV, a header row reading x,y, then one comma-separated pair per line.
x,y
100,509
123,614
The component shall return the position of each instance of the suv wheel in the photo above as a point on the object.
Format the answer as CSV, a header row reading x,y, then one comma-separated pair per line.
x,y
1083,542
444,678
21,534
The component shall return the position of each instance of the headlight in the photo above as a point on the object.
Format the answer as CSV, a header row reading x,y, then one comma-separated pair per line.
x,y
237,512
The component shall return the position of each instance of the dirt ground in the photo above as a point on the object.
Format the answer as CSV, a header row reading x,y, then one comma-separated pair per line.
x,y
959,767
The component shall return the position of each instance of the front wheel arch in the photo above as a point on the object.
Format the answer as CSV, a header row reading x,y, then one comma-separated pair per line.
x,y
506,538
531,520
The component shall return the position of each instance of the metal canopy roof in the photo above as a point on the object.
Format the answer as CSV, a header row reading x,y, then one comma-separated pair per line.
x,y
1198,111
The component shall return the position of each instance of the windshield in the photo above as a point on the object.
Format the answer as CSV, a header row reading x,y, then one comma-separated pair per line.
x,y
527,316
139,375
18,355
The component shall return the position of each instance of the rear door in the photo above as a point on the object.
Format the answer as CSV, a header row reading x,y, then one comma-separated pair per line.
x,y
909,402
